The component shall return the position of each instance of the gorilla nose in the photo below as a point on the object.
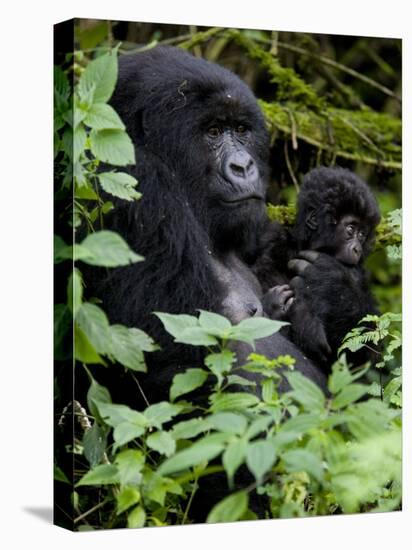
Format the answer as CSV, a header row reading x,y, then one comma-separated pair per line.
x,y
240,165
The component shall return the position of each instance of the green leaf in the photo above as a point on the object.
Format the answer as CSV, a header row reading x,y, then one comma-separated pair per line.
x,y
200,452
136,518
114,415
104,474
187,382
228,422
83,349
349,394
339,378
301,460
230,508
220,363
196,336
162,412
126,432
260,457
119,184
125,348
127,497
176,324
112,146
187,429
162,442
253,328
306,392
213,323
92,320
130,464
233,457
108,249
103,117
98,393
94,444
101,73
75,291
233,401
301,423
79,142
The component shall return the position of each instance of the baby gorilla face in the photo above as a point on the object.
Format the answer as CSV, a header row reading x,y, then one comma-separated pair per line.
x,y
350,237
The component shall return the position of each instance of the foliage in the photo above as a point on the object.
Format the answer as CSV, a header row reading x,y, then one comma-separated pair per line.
x,y
309,453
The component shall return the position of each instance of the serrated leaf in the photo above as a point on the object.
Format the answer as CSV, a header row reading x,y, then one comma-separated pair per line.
x,y
187,429
126,432
220,363
202,451
162,412
196,336
119,184
101,116
129,464
187,382
301,423
94,444
104,474
112,146
176,324
254,328
260,457
230,508
125,348
101,73
113,415
127,497
215,324
228,422
302,460
233,401
92,320
162,442
349,394
306,392
83,348
107,249
233,457
97,393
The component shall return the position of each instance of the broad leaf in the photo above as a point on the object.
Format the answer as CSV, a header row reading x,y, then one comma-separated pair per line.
x,y
119,184
127,497
92,320
187,382
104,474
125,348
306,392
101,116
112,146
233,401
101,74
108,249
230,508
260,457
162,442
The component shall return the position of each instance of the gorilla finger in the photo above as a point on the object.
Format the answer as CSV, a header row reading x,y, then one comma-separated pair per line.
x,y
298,265
287,294
279,288
297,282
309,255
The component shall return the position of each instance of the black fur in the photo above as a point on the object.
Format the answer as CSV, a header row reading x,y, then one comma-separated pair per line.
x,y
166,98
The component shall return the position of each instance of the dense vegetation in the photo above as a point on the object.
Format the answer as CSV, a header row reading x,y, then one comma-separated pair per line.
x,y
327,100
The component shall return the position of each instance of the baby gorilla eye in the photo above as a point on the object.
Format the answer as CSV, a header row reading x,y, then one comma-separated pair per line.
x,y
213,131
350,229
241,129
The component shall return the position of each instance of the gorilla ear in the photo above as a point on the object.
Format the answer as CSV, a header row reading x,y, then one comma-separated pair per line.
x,y
311,220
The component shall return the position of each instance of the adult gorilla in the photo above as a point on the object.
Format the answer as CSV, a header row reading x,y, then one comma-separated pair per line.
x,y
201,161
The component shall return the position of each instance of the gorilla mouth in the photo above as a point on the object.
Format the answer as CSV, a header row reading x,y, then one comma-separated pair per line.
x,y
240,200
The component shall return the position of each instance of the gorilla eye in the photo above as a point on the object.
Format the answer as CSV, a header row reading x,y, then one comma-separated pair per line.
x,y
361,235
350,230
213,131
241,129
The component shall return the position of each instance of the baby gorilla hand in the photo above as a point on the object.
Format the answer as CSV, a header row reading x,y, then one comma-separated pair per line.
x,y
305,259
277,301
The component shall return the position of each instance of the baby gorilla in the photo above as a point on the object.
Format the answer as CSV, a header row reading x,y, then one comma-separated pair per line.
x,y
334,232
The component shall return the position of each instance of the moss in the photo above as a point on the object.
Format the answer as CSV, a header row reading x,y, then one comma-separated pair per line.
x,y
367,136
